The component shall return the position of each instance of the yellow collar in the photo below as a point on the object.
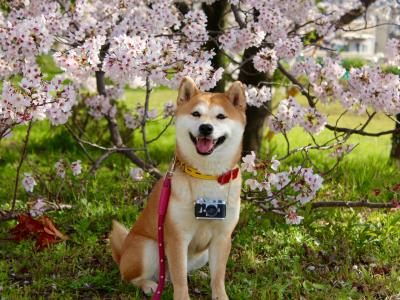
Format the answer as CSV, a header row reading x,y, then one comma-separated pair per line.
x,y
196,173
222,179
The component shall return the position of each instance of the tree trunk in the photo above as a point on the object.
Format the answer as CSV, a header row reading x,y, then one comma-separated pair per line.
x,y
256,116
395,153
215,23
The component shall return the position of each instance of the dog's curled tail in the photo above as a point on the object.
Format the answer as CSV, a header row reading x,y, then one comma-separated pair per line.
x,y
117,237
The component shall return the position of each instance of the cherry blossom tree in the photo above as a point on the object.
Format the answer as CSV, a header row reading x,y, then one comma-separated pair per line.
x,y
104,46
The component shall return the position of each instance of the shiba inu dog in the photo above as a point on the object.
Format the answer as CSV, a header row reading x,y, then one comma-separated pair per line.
x,y
205,197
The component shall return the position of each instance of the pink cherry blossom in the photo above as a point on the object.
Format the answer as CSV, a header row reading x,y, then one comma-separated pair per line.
x,y
76,167
257,97
393,51
293,218
137,174
38,207
248,164
169,109
265,60
60,168
28,182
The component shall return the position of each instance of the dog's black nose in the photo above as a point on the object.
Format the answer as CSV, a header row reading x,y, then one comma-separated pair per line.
x,y
206,129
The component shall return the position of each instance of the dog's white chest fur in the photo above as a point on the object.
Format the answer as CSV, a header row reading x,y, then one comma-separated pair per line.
x,y
185,191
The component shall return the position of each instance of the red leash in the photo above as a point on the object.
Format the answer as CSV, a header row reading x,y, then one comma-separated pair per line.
x,y
162,211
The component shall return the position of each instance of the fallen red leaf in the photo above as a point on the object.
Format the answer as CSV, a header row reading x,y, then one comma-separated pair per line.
x,y
42,229
50,228
26,226
45,239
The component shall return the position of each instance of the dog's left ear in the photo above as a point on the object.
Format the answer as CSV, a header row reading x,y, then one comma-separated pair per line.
x,y
236,95
187,90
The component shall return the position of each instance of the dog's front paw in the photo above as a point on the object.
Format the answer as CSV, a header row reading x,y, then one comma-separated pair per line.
x,y
149,287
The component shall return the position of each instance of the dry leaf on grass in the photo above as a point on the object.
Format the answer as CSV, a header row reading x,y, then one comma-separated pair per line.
x,y
42,230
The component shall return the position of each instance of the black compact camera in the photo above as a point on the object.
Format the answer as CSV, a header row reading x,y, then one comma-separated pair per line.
x,y
210,209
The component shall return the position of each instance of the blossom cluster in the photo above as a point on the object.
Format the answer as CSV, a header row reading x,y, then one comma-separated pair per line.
x,y
34,98
283,191
341,150
276,27
393,51
290,114
61,167
134,119
163,60
258,97
80,62
100,106
368,86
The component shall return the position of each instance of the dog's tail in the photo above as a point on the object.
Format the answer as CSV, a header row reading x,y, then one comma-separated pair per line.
x,y
117,237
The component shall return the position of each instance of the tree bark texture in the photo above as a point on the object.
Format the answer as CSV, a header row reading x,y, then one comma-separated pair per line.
x,y
256,116
216,20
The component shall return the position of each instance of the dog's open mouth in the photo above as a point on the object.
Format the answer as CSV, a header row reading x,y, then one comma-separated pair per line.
x,y
206,145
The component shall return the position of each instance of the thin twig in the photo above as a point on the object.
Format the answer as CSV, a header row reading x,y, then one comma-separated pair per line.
x,y
21,161
96,164
119,149
11,215
162,131
59,189
144,119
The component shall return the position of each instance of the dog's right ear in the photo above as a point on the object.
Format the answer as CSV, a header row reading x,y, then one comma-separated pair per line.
x,y
187,90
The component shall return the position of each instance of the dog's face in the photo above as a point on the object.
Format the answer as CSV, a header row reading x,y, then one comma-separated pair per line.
x,y
210,125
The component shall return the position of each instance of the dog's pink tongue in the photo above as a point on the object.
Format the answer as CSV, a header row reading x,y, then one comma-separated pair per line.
x,y
204,145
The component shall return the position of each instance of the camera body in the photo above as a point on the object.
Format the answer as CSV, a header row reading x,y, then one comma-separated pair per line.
x,y
209,209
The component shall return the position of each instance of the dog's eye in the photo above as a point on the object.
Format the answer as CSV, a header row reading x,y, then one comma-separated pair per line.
x,y
221,116
196,114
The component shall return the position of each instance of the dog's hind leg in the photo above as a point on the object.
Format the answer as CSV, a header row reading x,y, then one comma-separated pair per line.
x,y
139,263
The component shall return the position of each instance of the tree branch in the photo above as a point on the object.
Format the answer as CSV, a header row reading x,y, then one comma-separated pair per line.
x,y
238,17
96,164
360,131
303,90
353,14
112,122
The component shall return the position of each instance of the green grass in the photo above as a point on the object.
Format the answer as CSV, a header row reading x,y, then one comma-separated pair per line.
x,y
333,254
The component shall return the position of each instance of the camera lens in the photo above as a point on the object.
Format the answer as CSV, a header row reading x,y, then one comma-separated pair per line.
x,y
211,210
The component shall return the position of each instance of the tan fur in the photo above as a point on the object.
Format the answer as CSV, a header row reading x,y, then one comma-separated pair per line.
x,y
117,238
190,243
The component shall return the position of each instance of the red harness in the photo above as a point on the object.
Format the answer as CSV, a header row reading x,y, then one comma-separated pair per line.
x,y
162,211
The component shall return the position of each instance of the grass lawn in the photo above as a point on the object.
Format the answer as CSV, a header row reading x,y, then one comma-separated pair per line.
x,y
333,254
